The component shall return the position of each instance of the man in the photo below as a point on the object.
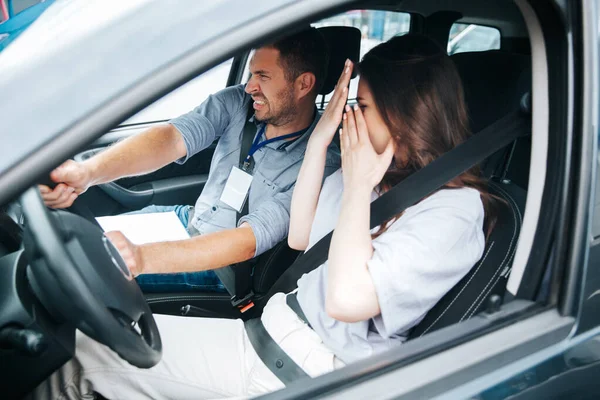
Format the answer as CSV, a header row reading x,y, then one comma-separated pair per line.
x,y
286,78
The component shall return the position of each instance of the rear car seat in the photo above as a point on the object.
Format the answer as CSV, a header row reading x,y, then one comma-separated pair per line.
x,y
494,83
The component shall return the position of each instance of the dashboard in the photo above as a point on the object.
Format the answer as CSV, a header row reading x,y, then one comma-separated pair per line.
x,y
34,342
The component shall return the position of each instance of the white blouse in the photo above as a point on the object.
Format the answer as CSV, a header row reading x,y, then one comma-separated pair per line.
x,y
415,263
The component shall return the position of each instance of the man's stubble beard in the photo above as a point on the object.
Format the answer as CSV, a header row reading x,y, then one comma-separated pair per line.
x,y
287,112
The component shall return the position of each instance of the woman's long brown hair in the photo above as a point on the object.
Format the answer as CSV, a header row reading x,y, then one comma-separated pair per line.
x,y
419,94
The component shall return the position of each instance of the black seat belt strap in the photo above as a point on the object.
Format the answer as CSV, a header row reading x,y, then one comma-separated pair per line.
x,y
237,279
417,186
291,300
271,354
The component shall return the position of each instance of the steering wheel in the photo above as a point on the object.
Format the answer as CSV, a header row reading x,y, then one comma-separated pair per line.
x,y
80,277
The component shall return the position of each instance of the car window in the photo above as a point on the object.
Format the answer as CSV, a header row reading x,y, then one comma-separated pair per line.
x,y
471,37
376,27
596,213
186,97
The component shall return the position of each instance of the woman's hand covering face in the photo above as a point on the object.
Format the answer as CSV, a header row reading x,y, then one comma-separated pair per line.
x,y
361,165
331,118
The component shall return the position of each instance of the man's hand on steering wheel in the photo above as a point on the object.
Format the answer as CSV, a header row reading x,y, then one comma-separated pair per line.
x,y
73,179
130,252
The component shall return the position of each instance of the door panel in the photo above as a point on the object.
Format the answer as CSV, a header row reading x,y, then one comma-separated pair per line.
x,y
173,184
170,185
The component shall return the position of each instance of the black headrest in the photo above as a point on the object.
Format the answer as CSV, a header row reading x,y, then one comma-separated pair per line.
x,y
342,42
494,82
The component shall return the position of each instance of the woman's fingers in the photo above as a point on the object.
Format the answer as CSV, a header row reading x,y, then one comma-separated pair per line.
x,y
340,94
386,157
345,75
342,143
361,125
382,162
339,101
351,124
346,144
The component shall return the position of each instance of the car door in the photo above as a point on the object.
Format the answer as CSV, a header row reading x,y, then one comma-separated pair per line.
x,y
547,341
174,183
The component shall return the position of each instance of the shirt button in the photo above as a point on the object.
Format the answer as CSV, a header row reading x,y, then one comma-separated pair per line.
x,y
214,208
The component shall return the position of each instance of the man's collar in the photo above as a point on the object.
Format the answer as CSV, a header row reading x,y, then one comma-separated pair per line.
x,y
302,138
306,134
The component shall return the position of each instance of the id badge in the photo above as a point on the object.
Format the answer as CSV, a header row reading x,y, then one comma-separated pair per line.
x,y
236,189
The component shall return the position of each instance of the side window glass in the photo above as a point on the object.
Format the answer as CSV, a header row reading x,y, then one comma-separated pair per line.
x,y
184,98
376,27
596,213
471,37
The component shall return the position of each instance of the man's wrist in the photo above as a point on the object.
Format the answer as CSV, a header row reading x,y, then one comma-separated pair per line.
x,y
91,171
143,261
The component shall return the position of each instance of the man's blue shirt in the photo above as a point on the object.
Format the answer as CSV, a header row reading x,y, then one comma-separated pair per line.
x,y
276,166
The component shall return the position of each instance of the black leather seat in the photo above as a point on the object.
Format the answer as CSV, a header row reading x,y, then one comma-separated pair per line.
x,y
343,42
494,83
489,276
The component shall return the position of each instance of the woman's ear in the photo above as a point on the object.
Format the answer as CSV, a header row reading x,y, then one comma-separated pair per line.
x,y
305,83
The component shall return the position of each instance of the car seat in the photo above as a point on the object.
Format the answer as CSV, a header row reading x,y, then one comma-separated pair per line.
x,y
495,83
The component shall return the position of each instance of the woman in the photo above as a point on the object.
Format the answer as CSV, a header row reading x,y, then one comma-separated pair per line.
x,y
376,284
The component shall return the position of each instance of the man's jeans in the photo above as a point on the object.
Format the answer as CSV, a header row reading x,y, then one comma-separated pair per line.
x,y
183,281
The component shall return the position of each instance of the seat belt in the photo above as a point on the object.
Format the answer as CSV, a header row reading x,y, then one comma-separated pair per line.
x,y
237,278
416,187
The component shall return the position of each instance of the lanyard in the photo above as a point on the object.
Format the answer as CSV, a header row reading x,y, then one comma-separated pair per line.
x,y
256,145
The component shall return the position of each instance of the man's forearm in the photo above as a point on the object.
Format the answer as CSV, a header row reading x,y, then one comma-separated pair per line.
x,y
137,155
200,253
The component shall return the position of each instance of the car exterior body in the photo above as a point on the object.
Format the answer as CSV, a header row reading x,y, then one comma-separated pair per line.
x,y
71,85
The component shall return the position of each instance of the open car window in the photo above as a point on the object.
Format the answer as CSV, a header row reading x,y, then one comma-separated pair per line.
x,y
184,98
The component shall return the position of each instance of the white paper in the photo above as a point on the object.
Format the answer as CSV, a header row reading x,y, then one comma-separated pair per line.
x,y
236,189
146,228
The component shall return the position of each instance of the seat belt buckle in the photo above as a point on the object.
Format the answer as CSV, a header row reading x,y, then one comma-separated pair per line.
x,y
243,304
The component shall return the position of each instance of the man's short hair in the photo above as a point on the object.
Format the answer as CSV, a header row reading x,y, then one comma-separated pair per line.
x,y
302,52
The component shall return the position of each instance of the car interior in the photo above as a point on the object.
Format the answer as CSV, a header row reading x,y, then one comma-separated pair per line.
x,y
497,80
